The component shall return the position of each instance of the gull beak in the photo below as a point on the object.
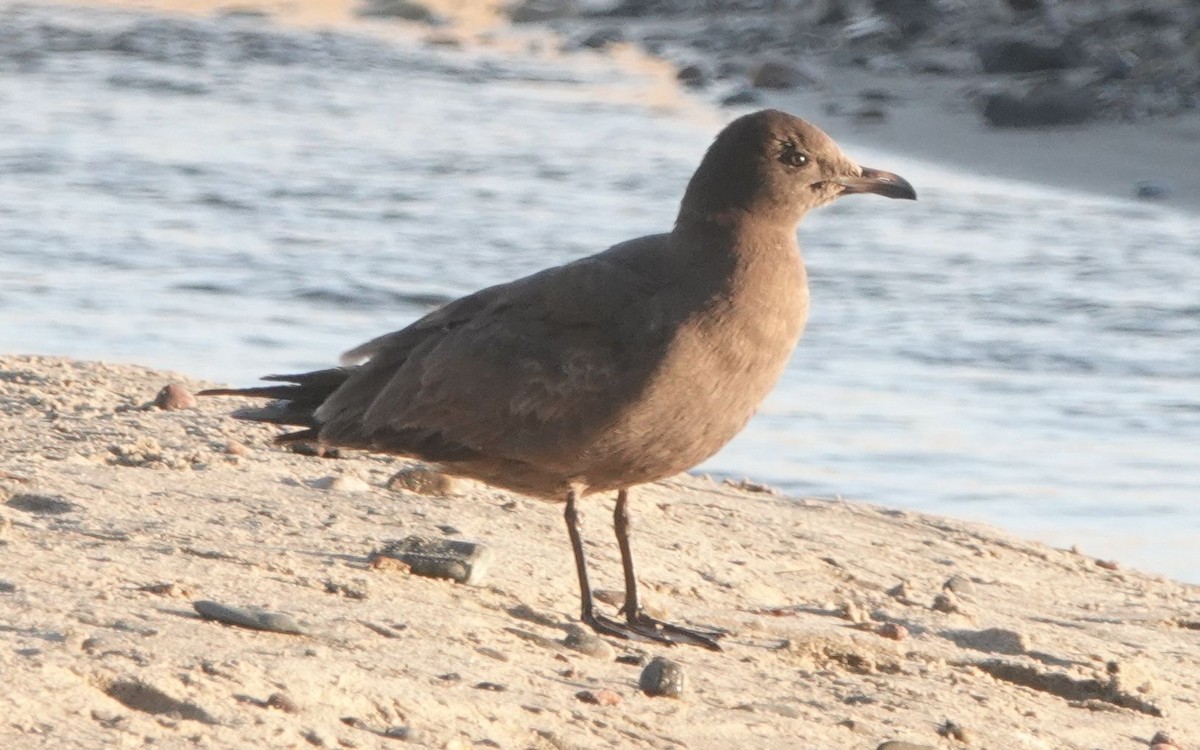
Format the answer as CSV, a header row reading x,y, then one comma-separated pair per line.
x,y
877,181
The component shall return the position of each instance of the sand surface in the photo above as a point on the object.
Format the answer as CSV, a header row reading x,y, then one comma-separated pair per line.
x,y
116,516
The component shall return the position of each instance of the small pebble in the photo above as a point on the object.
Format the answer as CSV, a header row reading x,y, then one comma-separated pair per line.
x,y
1162,741
662,677
599,697
954,731
992,641
586,642
435,557
494,687
892,630
234,448
1108,564
283,702
174,397
946,602
249,617
901,592
422,480
960,585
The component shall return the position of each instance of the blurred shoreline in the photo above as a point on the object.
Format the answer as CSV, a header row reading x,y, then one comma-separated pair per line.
x,y
934,118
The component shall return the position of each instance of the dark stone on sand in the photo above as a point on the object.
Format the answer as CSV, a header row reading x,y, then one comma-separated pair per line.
x,y
960,585
587,642
144,697
7,588
991,641
599,697
1025,55
42,505
662,677
493,687
249,617
954,731
946,602
434,557
898,745
893,631
1051,106
282,702
174,397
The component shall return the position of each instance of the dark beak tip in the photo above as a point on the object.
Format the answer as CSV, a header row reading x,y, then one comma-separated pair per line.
x,y
879,182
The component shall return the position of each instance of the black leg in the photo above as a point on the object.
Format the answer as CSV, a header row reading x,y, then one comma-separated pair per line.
x,y
587,610
621,526
641,623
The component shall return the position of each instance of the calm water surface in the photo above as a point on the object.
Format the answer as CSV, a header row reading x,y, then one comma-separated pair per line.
x,y
229,198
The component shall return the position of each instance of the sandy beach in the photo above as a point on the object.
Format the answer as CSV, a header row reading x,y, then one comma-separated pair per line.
x,y
851,625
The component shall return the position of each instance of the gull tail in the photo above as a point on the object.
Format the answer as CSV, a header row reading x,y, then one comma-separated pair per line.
x,y
294,404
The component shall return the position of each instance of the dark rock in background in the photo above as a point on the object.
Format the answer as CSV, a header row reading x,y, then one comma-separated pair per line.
x,y
692,76
1025,55
1050,106
780,74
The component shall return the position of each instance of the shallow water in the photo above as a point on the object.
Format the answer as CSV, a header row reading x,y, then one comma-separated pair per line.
x,y
228,198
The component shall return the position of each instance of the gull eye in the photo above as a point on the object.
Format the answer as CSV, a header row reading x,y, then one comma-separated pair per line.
x,y
792,157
